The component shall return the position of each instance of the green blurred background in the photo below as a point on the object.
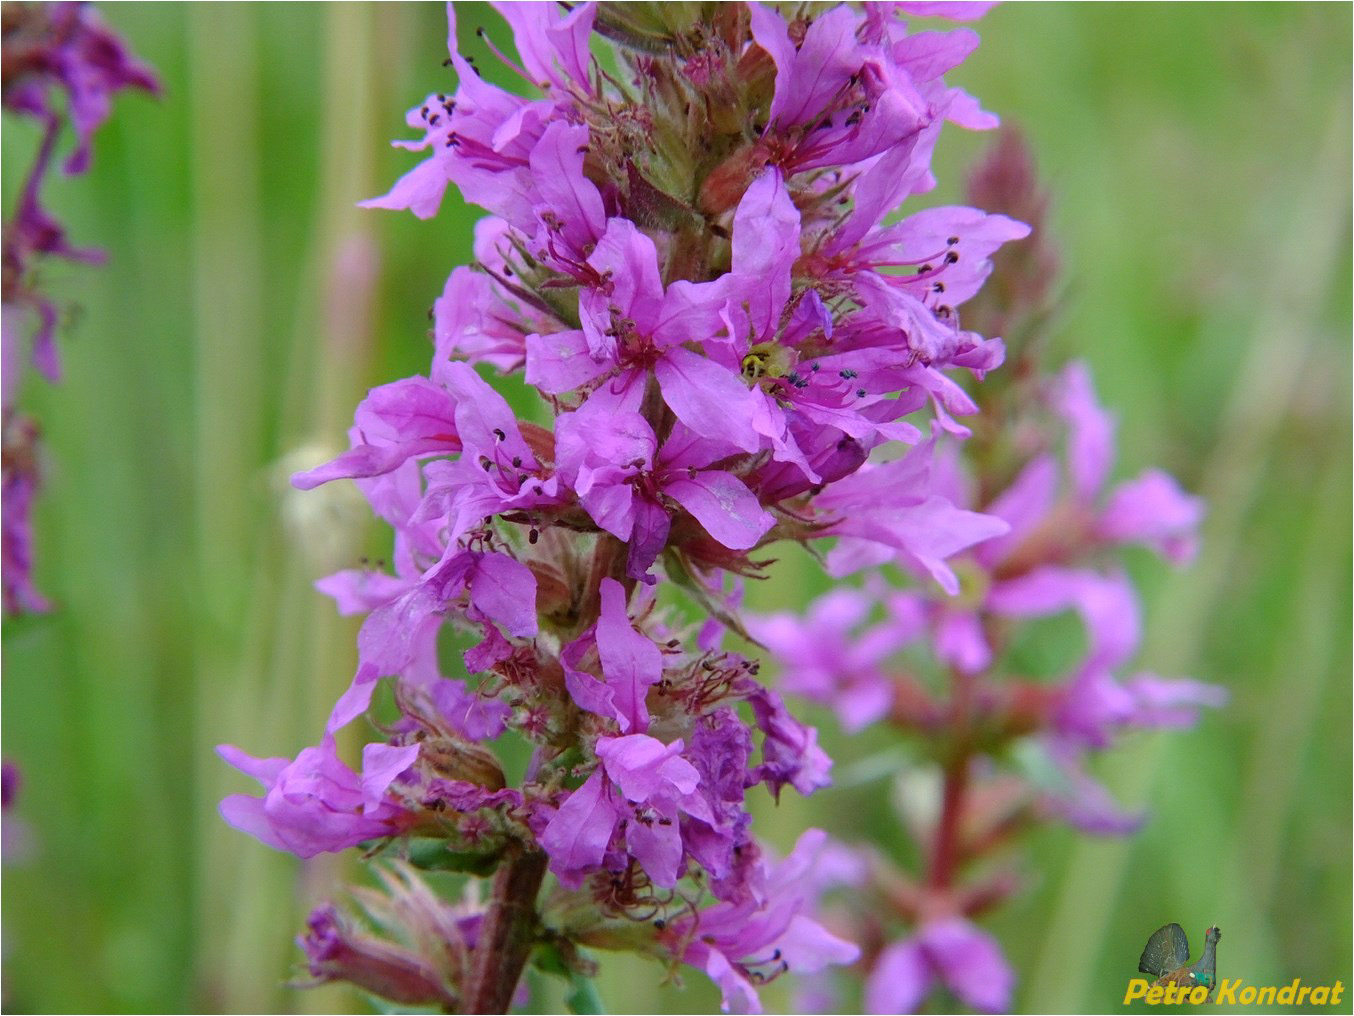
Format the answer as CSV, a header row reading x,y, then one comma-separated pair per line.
x,y
1199,157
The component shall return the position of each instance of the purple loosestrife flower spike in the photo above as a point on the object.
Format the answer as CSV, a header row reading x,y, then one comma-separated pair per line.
x,y
686,261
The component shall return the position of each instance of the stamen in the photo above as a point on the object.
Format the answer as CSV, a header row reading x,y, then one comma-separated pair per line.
x,y
484,36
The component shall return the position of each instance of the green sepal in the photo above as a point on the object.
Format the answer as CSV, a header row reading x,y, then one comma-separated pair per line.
x,y
434,855
676,567
560,958
583,996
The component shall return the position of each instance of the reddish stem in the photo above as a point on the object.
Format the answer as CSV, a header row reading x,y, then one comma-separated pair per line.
x,y
945,853
507,934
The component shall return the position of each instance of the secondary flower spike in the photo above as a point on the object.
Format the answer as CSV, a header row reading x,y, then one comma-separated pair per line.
x,y
62,66
686,263
1036,531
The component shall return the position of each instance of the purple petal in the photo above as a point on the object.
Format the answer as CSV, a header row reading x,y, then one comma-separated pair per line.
x,y
631,663
765,247
1152,509
505,591
708,398
899,980
420,190
246,814
1024,504
1165,703
647,538
657,846
355,700
1090,439
358,591
722,504
265,770
553,44
810,75
589,693
631,258
1107,604
971,963
737,993
559,362
381,763
645,768
576,837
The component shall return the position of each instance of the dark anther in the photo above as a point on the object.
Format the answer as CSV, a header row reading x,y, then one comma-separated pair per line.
x,y
434,120
441,97
424,112
533,536
447,62
951,257
944,312
486,465
952,241
846,375
813,368
793,378
516,461
923,269
498,433
939,287
860,393
674,643
660,924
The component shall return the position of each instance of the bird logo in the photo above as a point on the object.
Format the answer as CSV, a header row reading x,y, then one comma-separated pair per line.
x,y
1166,958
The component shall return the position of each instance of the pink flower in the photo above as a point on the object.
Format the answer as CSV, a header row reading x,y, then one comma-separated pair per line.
x,y
952,952
315,804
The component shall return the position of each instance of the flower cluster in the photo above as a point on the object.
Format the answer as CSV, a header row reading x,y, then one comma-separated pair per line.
x,y
687,260
946,667
61,64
